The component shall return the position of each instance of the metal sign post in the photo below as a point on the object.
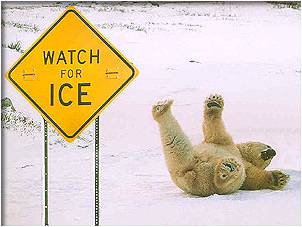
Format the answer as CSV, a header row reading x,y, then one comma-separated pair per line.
x,y
96,176
45,172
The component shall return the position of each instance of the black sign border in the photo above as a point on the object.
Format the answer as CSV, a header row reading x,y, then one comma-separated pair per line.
x,y
103,105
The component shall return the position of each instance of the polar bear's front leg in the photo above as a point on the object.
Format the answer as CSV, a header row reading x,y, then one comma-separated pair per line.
x,y
259,154
176,145
257,178
213,126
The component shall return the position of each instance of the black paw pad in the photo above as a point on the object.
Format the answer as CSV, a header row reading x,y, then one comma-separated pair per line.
x,y
268,154
213,104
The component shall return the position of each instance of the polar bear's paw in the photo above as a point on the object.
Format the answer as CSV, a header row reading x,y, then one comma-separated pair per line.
x,y
279,180
267,154
214,102
161,107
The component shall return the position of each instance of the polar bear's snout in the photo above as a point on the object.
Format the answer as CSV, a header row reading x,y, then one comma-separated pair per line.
x,y
229,166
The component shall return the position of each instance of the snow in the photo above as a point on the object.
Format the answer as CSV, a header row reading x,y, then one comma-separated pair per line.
x,y
248,52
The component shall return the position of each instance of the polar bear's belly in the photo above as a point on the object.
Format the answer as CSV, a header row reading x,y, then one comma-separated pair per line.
x,y
210,150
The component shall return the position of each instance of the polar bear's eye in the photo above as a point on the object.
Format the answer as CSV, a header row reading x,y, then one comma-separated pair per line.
x,y
223,176
158,108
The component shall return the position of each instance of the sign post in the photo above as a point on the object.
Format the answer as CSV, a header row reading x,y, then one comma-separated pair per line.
x,y
69,75
97,172
45,172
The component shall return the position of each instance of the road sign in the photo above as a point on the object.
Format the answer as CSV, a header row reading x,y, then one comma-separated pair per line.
x,y
71,73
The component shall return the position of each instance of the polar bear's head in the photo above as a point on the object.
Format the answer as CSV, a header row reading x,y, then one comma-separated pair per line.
x,y
229,175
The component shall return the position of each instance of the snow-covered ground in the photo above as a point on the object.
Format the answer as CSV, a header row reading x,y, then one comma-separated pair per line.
x,y
248,52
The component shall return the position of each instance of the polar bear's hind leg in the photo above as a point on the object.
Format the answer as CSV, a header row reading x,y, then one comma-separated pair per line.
x,y
176,145
214,102
213,126
161,107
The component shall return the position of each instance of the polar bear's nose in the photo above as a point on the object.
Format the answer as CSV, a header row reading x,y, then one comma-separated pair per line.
x,y
230,167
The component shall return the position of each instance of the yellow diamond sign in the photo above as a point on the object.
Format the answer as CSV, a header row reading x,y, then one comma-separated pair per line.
x,y
71,73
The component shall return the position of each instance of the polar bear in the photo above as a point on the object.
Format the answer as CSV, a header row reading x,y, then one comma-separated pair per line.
x,y
217,165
